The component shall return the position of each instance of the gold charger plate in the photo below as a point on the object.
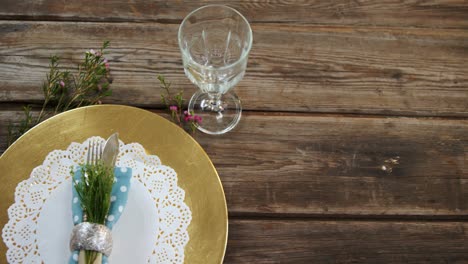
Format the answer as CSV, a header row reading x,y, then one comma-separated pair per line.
x,y
196,174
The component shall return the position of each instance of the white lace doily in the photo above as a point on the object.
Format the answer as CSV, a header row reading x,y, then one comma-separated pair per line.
x,y
168,219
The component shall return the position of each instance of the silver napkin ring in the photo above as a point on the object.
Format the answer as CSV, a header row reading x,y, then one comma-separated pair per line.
x,y
90,236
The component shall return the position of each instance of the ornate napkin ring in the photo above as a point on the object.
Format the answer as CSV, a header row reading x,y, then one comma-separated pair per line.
x,y
91,236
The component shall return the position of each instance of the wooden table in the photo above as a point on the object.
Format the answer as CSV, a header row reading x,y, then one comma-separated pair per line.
x,y
334,91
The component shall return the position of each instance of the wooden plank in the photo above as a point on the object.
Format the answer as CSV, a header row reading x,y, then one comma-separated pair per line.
x,y
433,14
333,165
319,166
273,241
291,68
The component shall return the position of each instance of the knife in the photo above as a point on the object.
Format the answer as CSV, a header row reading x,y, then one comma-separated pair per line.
x,y
111,150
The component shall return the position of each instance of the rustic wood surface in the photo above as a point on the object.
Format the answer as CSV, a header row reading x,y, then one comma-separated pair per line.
x,y
297,68
308,241
333,92
408,13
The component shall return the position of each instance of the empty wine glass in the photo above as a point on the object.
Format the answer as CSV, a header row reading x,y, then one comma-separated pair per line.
x,y
215,41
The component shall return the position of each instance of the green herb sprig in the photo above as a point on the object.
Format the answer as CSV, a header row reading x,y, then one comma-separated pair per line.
x,y
64,90
174,102
94,192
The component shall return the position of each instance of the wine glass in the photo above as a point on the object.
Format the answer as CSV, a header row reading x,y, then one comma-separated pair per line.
x,y
215,42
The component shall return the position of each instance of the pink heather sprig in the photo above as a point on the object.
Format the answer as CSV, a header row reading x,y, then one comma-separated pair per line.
x,y
175,114
106,64
192,120
64,90
175,104
191,117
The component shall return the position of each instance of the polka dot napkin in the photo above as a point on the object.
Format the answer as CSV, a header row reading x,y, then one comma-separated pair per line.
x,y
119,197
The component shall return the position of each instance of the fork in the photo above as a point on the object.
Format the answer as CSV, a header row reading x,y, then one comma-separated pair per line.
x,y
94,153
93,156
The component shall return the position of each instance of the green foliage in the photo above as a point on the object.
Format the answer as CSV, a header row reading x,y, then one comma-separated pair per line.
x,y
174,103
167,97
94,192
64,90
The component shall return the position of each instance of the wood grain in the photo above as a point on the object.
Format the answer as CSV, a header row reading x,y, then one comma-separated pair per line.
x,y
319,166
273,241
432,14
333,165
297,68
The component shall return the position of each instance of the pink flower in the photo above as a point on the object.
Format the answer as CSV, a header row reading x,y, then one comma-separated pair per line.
x,y
92,51
197,118
189,117
98,53
62,84
105,61
173,108
107,65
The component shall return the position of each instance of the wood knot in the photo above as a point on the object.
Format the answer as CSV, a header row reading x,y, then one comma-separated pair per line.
x,y
390,164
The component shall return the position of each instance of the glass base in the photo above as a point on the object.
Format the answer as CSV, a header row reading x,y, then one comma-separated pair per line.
x,y
219,114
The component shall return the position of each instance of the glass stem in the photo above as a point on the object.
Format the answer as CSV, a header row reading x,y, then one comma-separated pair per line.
x,y
216,97
215,102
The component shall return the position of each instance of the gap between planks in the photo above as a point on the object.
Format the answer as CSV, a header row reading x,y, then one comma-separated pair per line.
x,y
17,106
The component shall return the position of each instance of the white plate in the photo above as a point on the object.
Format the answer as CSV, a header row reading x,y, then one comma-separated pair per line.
x,y
153,226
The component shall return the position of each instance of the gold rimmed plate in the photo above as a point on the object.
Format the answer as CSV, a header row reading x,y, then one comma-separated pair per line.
x,y
196,174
